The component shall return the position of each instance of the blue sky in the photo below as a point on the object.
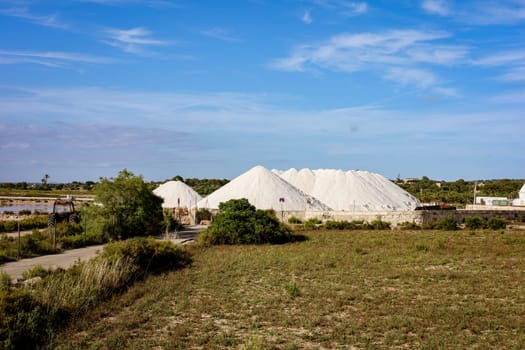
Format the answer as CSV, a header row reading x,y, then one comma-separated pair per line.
x,y
211,88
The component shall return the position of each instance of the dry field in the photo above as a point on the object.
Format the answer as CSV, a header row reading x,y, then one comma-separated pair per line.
x,y
336,290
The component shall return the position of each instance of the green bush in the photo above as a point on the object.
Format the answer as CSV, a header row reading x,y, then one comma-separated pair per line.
x,y
378,224
341,225
312,223
238,222
293,220
474,223
496,223
446,224
147,254
408,225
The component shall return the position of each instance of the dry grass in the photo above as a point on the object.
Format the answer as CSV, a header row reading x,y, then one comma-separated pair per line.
x,y
358,289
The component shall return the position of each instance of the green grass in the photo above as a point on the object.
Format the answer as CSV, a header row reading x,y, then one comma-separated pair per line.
x,y
367,289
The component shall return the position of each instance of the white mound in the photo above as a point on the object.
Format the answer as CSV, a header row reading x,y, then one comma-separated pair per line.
x,y
352,190
173,191
263,189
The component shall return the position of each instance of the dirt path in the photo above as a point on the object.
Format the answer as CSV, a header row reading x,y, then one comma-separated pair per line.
x,y
68,258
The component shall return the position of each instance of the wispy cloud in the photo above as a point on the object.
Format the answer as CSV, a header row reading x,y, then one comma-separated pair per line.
x,y
42,20
220,33
439,7
489,12
514,97
342,7
51,59
411,76
354,52
502,58
514,75
133,40
307,17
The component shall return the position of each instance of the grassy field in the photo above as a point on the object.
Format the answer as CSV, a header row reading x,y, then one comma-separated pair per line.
x,y
353,289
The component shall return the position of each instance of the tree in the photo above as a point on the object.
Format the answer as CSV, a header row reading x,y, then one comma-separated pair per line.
x,y
128,206
238,222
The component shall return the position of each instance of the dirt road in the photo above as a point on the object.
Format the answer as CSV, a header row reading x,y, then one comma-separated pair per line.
x,y
68,258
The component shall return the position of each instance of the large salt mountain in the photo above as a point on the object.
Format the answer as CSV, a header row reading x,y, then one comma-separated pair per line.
x,y
352,190
177,193
264,190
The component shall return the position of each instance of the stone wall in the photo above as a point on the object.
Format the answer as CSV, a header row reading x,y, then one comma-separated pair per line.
x,y
419,217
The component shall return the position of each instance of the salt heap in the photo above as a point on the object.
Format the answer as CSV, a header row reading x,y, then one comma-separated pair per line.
x,y
352,190
173,191
263,189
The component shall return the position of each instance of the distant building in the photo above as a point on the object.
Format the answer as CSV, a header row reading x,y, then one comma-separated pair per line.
x,y
520,201
411,180
493,201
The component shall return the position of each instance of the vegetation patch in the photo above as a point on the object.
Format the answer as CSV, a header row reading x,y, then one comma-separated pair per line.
x,y
29,318
238,222
325,293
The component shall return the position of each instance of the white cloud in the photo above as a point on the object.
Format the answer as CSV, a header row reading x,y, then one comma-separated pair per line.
x,y
42,20
345,8
514,75
411,76
219,33
132,40
439,7
354,52
488,12
502,58
51,59
307,17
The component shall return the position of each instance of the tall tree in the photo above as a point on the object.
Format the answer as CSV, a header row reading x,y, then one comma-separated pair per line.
x,y
128,206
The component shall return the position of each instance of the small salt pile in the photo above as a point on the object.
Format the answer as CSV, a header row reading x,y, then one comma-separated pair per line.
x,y
177,194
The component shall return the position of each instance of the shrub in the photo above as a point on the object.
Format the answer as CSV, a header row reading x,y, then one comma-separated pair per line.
x,y
474,223
238,222
408,225
294,220
446,224
496,223
341,225
378,224
147,255
311,224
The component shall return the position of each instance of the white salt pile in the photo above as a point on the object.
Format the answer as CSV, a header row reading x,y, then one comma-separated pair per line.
x,y
263,189
177,194
352,190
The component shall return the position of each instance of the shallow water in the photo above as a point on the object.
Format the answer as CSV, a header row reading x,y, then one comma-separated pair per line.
x,y
32,208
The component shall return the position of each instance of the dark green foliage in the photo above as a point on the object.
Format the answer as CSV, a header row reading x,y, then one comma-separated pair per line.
x,y
474,223
23,322
203,214
312,223
496,223
460,192
238,222
204,186
129,207
293,220
446,224
356,225
493,223
378,224
342,225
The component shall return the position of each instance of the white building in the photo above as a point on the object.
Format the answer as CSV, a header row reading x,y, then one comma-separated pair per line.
x,y
521,199
492,201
